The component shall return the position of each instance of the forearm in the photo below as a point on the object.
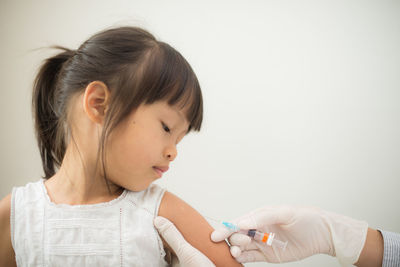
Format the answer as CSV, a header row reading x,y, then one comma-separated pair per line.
x,y
372,253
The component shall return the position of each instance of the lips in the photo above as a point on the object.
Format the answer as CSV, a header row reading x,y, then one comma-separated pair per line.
x,y
162,168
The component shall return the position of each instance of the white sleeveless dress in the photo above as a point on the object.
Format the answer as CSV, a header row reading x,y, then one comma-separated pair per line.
x,y
115,233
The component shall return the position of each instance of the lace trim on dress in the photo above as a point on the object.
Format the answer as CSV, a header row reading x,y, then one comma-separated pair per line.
x,y
83,206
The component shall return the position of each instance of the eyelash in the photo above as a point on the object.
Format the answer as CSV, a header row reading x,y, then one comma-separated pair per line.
x,y
165,127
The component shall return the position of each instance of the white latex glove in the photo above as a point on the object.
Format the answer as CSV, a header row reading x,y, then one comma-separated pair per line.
x,y
308,231
188,256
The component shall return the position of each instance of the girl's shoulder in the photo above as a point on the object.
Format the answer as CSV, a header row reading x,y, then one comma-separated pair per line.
x,y
5,209
7,257
5,203
148,199
32,192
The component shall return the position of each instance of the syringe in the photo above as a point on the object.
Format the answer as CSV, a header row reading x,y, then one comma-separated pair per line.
x,y
266,238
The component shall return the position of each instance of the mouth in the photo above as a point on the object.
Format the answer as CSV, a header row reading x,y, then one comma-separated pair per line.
x,y
160,170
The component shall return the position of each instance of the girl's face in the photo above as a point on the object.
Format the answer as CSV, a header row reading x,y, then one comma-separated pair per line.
x,y
143,144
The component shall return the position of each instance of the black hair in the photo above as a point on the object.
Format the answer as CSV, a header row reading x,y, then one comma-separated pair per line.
x,y
136,68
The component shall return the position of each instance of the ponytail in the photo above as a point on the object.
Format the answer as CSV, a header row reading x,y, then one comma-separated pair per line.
x,y
48,119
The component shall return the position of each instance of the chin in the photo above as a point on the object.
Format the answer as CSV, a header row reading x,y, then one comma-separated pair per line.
x,y
137,187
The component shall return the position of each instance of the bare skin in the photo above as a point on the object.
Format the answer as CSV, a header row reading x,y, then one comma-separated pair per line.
x,y
145,139
77,183
7,255
372,253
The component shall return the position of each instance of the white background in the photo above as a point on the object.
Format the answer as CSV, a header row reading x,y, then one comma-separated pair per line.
x,y
301,99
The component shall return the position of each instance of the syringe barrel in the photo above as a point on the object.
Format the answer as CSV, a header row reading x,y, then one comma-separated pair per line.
x,y
279,244
263,237
266,238
259,236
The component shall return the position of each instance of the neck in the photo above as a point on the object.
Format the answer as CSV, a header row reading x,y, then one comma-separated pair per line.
x,y
76,183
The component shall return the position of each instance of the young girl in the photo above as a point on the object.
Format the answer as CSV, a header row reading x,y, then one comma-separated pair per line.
x,y
108,117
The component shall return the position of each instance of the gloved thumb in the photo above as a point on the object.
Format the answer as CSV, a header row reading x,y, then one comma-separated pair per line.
x,y
188,256
220,234
169,232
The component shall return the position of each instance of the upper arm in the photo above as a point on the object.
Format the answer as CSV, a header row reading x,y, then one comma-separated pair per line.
x,y
7,255
195,229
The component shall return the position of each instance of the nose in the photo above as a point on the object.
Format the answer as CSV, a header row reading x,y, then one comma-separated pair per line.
x,y
170,152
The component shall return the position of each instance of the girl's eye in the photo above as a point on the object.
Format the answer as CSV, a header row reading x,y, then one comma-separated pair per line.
x,y
166,128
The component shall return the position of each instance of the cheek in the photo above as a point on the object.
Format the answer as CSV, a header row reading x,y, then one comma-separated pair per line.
x,y
127,153
134,150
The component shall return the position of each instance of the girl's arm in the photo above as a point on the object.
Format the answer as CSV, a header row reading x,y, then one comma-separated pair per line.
x,y
7,256
195,229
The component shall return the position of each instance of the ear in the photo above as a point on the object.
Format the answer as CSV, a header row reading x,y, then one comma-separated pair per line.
x,y
96,100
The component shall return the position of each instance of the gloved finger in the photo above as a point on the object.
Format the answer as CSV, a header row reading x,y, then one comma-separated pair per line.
x,y
267,216
170,234
250,256
240,240
187,255
250,246
220,234
235,251
271,254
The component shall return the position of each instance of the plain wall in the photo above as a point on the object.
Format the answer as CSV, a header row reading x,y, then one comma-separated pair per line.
x,y
301,99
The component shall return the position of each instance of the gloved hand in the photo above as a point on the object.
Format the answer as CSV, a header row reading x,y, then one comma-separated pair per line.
x,y
308,231
188,256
